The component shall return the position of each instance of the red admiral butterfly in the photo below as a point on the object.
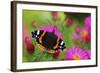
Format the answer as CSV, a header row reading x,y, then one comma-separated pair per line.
x,y
48,41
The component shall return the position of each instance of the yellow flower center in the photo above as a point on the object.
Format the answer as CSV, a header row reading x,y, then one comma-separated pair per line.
x,y
84,34
76,57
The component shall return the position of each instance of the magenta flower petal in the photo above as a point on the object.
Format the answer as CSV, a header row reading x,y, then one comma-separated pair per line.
x,y
51,28
87,22
89,53
84,55
69,54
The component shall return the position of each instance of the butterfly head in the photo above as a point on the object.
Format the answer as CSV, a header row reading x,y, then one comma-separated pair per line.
x,y
35,34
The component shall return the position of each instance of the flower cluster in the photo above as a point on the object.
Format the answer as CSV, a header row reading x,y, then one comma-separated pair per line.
x,y
28,42
83,34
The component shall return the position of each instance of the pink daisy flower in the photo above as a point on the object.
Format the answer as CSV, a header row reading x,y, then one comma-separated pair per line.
x,y
76,53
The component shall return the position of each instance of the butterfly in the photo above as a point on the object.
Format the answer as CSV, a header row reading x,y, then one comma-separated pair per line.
x,y
48,40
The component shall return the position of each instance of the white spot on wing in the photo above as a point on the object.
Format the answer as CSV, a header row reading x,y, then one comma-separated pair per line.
x,y
36,36
62,43
38,32
60,46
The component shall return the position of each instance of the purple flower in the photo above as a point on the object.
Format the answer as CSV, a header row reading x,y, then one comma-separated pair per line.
x,y
89,53
51,28
87,22
75,36
84,35
76,53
